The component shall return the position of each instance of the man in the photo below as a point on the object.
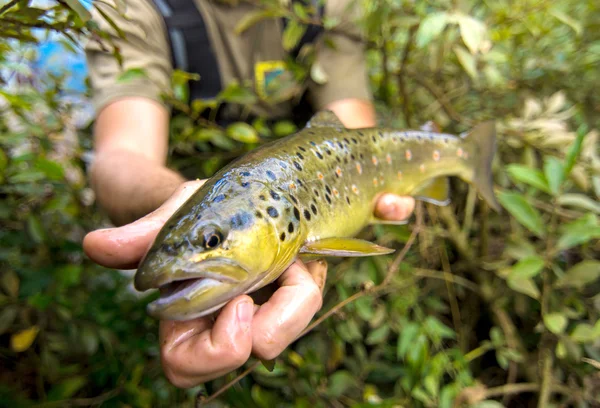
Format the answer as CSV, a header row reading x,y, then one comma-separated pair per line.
x,y
131,180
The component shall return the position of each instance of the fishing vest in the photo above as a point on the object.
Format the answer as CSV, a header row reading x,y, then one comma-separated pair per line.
x,y
192,51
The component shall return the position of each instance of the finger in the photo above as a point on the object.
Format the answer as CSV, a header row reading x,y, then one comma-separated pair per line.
x,y
279,321
318,271
192,352
123,247
394,208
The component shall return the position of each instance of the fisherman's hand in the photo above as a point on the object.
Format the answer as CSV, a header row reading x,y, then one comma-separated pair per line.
x,y
202,349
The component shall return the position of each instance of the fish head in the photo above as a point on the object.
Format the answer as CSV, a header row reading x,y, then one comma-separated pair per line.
x,y
205,256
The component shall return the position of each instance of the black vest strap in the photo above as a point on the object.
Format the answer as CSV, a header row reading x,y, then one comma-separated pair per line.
x,y
191,47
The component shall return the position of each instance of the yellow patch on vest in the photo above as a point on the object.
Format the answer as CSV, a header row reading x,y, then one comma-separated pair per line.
x,y
265,72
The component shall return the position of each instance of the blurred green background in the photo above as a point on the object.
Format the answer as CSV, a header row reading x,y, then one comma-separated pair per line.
x,y
486,309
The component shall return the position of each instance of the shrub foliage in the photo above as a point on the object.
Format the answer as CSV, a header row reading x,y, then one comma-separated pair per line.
x,y
483,310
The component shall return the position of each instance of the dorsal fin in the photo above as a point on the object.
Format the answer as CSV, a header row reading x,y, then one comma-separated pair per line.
x,y
325,118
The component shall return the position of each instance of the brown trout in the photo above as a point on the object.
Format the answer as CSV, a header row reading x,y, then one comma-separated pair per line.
x,y
307,195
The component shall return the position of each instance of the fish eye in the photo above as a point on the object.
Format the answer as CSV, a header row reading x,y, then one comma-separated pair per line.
x,y
212,239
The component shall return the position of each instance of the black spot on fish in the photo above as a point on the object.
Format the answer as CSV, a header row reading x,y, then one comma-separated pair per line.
x,y
373,138
198,218
271,175
362,156
241,220
282,236
294,199
353,157
361,134
299,182
419,137
319,155
338,159
354,141
346,140
296,213
274,195
348,200
328,198
328,189
290,227
272,212
307,215
313,209
381,135
316,192
311,142
245,173
258,214
297,166
245,184
262,197
300,156
340,145
219,198
302,148
328,152
345,160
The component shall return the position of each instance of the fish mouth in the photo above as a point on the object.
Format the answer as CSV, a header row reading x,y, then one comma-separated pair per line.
x,y
189,290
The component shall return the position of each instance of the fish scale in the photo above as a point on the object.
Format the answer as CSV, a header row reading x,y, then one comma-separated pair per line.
x,y
308,193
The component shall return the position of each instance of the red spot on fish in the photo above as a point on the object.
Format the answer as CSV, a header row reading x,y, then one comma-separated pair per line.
x,y
408,155
374,160
320,176
338,171
436,155
359,168
375,181
388,158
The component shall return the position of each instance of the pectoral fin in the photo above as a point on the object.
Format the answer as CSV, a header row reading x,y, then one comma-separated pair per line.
x,y
344,247
436,191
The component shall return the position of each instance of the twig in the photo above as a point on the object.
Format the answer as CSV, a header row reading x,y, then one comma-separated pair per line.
x,y
374,290
400,76
455,310
439,95
8,6
81,402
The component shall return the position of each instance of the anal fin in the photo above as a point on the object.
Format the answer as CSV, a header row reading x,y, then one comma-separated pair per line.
x,y
344,247
436,191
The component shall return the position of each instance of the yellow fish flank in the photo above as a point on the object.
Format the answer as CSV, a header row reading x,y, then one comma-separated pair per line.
x,y
307,195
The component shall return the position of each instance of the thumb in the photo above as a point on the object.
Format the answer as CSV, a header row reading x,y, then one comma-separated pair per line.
x,y
124,247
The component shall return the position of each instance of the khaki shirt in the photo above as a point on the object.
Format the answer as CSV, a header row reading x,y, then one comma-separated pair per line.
x,y
146,46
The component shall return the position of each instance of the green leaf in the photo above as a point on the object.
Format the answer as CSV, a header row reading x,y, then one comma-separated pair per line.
x,y
234,93
568,20
437,330
554,172
253,18
574,150
69,275
526,268
555,322
467,61
524,286
284,128
430,28
339,383
292,34
51,169
243,132
580,201
528,216
527,175
80,9
580,275
578,232
378,335
584,333
300,10
9,282
472,32
35,229
408,333
488,404
132,74
67,388
7,317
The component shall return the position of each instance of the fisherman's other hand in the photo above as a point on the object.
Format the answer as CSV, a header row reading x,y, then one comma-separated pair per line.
x,y
202,349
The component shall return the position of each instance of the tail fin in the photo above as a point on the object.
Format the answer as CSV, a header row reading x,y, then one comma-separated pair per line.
x,y
483,139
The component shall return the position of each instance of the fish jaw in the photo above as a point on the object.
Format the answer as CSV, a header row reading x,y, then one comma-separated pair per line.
x,y
193,298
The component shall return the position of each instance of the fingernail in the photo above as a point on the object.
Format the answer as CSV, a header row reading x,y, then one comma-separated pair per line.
x,y
244,313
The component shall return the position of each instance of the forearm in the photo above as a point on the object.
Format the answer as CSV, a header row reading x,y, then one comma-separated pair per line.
x,y
129,174
129,185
